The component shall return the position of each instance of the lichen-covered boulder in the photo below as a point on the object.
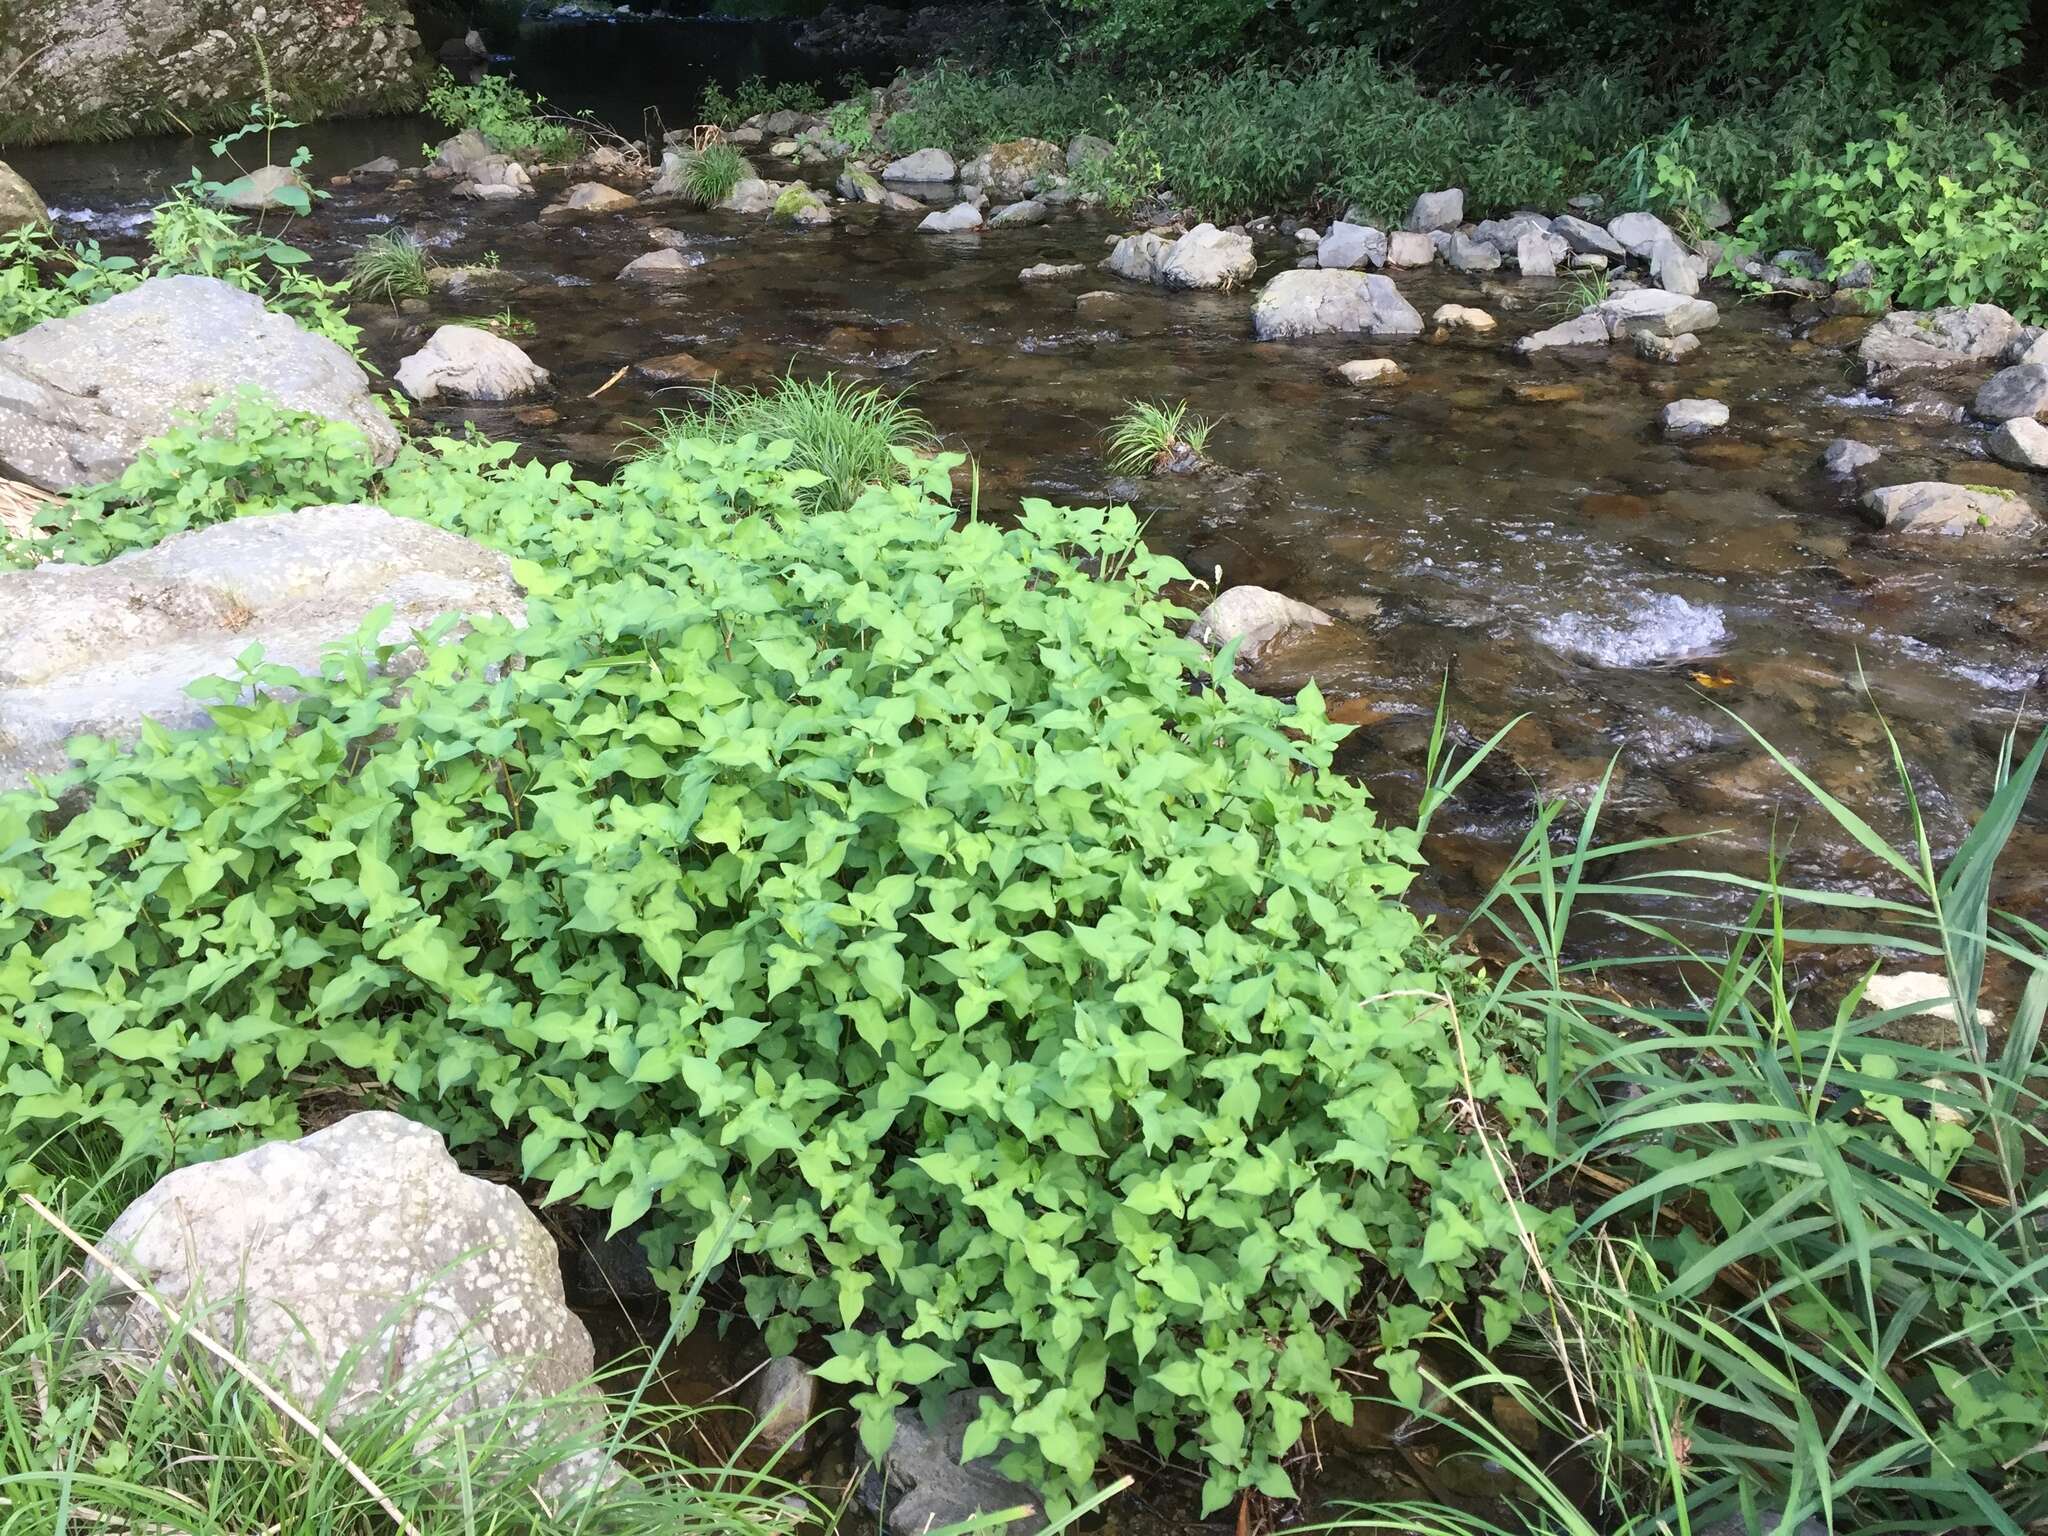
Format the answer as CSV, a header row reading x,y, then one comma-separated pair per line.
x,y
361,1256
1018,168
97,649
1312,302
81,394
460,362
1933,506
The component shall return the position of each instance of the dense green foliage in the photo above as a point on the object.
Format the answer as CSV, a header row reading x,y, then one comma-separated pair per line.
x,y
751,98
92,1438
870,881
512,119
1715,43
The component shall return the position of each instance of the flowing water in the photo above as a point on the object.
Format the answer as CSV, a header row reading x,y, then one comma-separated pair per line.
x,y
1518,527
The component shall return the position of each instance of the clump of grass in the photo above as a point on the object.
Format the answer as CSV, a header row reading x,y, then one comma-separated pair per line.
x,y
849,434
710,175
1149,437
390,267
508,323
1583,291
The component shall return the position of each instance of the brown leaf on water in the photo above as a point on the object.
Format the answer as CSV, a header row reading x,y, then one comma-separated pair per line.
x,y
1714,679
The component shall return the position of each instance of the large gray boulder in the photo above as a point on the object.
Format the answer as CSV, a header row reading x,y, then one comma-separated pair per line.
x,y
1640,234
953,220
1437,210
1958,336
1308,302
1139,257
1587,238
97,649
1347,247
460,362
1018,168
80,395
1656,312
361,1256
2022,443
1208,257
586,199
20,208
1932,506
924,165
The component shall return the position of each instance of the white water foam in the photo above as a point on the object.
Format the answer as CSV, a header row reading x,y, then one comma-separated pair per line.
x,y
1661,627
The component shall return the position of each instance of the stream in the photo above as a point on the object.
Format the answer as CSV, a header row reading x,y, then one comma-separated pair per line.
x,y
1518,526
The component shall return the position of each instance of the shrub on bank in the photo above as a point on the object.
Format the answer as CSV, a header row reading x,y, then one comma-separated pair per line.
x,y
877,884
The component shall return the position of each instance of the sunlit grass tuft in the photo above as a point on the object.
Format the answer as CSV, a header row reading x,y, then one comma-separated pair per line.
x,y
390,267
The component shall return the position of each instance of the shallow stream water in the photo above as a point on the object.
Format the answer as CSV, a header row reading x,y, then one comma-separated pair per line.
x,y
1518,527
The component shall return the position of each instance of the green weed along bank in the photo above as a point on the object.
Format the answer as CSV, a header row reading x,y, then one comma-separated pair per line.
x,y
874,882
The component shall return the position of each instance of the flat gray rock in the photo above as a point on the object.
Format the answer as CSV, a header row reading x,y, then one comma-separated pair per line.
x,y
1320,303
925,165
1351,246
1960,335
1657,312
362,1252
1689,418
1587,238
97,649
1933,506
1587,330
80,395
961,216
1844,456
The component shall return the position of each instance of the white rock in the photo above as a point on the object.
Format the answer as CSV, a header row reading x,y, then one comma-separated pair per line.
x,y
1256,616
460,362
361,1252
1685,418
1319,303
1407,248
1208,257
1350,246
925,165
961,216
1361,372
1844,456
1640,234
1534,257
1460,317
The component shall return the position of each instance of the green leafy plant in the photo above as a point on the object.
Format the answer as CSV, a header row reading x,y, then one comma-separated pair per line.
x,y
391,267
1058,1020
848,435
512,119
852,123
753,97
508,323
1151,436
248,455
42,278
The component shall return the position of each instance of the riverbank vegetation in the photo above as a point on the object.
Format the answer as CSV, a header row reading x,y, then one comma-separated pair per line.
x,y
1058,1021
1909,137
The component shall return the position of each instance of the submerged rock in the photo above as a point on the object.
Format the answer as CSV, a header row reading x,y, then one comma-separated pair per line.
x,y
1254,616
1933,506
1844,456
662,266
1906,339
1050,272
363,1250
80,395
1588,330
1319,303
460,362
1652,348
1030,211
98,649
1363,371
